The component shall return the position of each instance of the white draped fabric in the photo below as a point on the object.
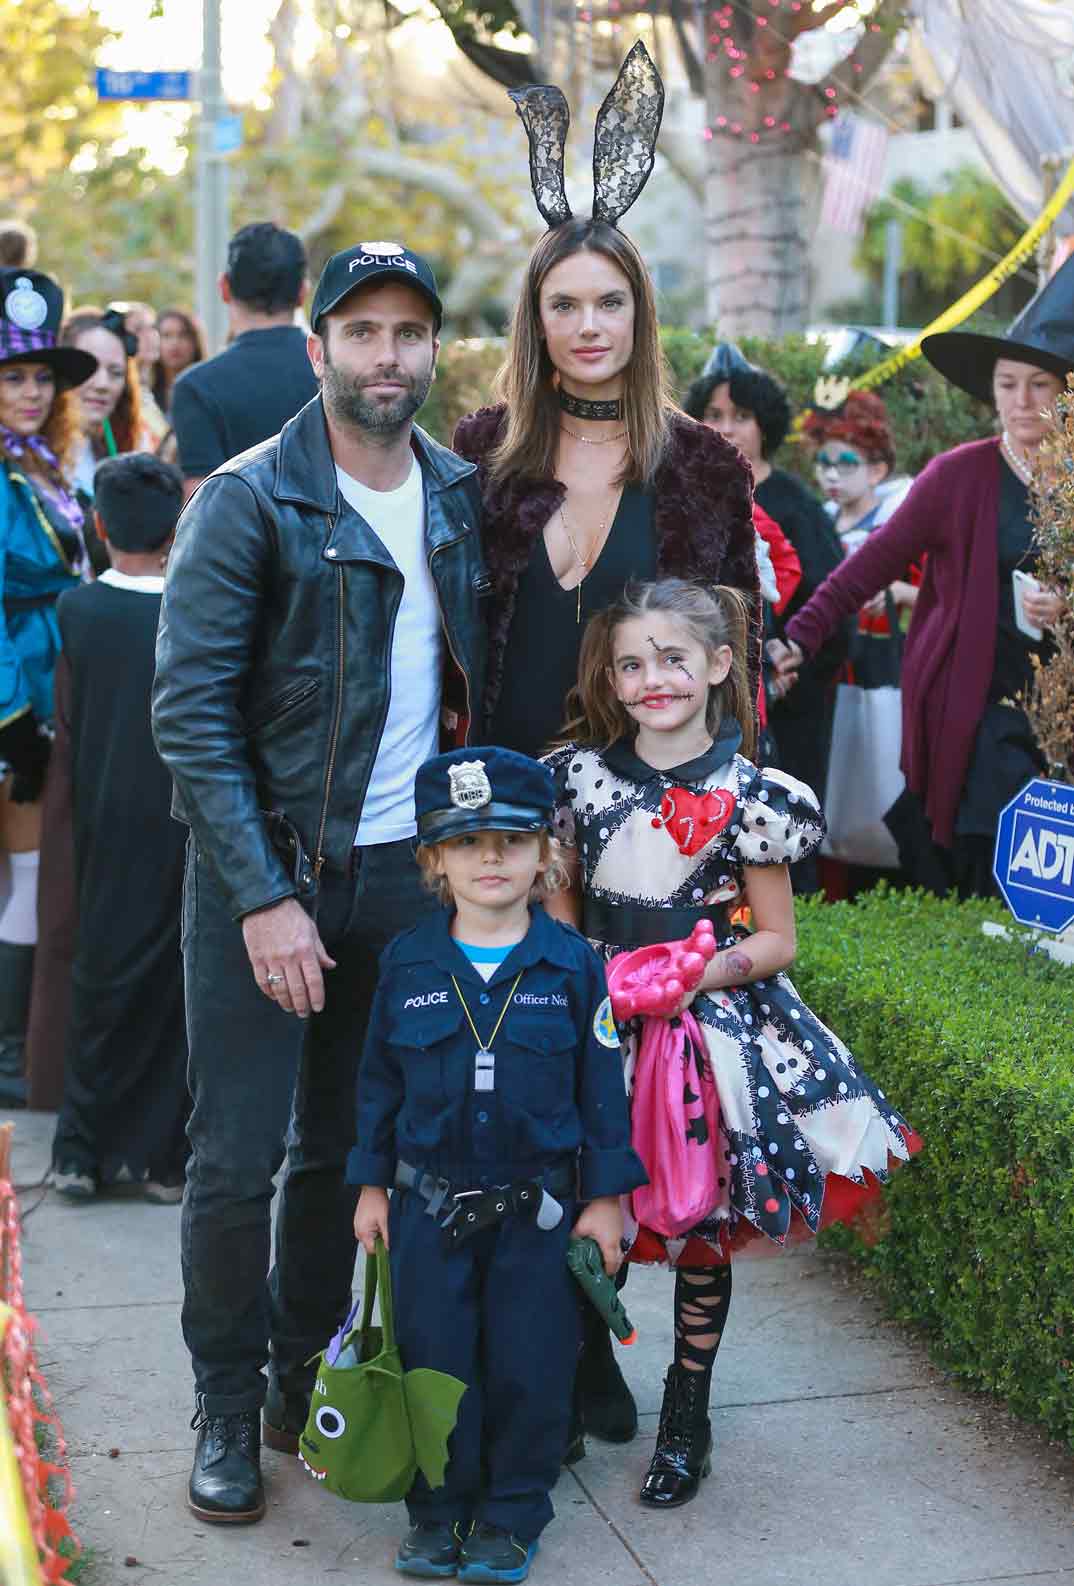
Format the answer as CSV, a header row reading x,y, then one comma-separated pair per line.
x,y
1007,69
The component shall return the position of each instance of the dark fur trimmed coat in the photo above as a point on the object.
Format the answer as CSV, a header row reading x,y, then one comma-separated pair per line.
x,y
703,519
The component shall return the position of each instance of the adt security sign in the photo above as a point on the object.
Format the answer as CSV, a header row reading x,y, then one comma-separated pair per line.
x,y
1034,861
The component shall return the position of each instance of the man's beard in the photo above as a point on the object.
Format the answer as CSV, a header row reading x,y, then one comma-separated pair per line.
x,y
346,401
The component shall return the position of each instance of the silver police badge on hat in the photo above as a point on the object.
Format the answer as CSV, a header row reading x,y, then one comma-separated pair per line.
x,y
25,307
470,787
388,248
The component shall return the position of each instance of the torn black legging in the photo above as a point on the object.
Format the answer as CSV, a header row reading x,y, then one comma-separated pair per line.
x,y
702,1299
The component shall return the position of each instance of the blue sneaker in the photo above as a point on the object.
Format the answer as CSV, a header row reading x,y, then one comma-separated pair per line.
x,y
492,1554
430,1550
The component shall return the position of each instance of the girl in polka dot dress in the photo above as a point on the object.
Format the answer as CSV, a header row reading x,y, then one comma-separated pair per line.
x,y
671,823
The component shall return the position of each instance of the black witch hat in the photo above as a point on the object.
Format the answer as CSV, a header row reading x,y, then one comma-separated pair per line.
x,y
1042,335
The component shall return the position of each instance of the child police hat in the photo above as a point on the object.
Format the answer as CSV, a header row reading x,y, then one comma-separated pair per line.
x,y
368,262
482,790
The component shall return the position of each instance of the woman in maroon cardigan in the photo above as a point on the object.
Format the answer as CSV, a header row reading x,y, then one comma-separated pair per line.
x,y
967,746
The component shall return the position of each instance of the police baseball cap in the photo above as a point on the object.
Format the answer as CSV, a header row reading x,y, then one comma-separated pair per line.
x,y
373,261
482,790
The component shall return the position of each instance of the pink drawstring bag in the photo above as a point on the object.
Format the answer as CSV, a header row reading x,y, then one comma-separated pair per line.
x,y
674,1126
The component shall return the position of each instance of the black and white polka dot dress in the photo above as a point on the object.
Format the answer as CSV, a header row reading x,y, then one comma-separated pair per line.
x,y
803,1129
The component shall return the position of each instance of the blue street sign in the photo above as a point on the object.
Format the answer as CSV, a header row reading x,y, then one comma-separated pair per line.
x,y
1034,861
144,85
227,133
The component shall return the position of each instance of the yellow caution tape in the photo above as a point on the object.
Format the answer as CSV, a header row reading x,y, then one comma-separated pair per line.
x,y
979,293
19,1564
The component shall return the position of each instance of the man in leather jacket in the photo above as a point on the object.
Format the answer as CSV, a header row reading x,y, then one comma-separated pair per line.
x,y
319,638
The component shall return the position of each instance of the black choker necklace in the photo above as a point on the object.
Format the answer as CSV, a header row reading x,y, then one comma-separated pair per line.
x,y
580,408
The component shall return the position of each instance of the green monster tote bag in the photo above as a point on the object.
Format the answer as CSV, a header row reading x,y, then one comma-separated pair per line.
x,y
371,1424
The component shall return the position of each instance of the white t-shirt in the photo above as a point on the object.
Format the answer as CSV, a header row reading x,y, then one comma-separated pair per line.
x,y
411,731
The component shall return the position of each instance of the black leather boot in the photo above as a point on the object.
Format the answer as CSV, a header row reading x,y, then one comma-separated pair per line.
x,y
684,1442
225,1484
601,1394
286,1411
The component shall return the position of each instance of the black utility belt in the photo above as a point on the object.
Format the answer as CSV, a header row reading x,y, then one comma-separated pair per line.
x,y
634,925
463,1213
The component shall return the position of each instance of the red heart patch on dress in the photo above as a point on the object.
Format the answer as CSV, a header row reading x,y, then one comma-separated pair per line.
x,y
691,820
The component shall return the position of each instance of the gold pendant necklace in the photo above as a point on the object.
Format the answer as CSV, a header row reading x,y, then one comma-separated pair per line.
x,y
582,562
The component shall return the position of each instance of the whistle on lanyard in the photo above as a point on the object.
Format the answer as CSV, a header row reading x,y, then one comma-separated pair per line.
x,y
484,1069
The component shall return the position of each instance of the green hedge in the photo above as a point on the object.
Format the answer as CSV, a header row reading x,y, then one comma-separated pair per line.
x,y
974,1040
928,415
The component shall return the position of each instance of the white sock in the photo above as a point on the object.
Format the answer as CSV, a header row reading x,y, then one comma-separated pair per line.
x,y
18,909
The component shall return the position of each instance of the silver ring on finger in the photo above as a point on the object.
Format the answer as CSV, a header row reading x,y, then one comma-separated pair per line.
x,y
275,980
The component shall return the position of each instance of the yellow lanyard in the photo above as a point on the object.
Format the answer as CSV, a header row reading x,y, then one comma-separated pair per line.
x,y
484,1058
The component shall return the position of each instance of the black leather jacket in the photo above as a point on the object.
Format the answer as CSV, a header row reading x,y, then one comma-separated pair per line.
x,y
273,677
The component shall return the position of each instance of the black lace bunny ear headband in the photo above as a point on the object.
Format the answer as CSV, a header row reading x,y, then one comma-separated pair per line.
x,y
624,142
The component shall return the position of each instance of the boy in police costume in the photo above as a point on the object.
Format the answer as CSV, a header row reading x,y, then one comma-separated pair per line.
x,y
491,1099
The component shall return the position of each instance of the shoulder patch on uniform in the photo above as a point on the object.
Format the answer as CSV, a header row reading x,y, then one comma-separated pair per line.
x,y
604,1025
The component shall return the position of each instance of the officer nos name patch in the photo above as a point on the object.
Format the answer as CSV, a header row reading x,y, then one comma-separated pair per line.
x,y
604,1025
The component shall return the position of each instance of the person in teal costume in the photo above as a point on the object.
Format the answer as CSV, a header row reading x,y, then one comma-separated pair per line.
x,y
42,553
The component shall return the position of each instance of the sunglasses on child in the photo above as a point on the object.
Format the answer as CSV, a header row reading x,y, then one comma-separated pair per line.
x,y
845,463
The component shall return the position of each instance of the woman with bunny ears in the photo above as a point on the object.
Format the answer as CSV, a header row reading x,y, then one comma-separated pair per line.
x,y
591,476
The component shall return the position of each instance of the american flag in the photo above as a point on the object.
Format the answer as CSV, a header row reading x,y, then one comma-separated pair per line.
x,y
854,167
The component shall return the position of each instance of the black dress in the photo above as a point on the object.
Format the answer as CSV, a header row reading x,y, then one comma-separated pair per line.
x,y
541,658
125,1094
1005,753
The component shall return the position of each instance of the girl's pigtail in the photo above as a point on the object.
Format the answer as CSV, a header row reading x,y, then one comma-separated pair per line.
x,y
734,693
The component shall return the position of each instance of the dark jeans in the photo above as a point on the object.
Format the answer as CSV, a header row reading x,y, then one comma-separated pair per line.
x,y
264,1084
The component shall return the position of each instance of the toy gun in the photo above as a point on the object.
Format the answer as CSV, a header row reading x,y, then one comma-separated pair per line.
x,y
653,980
587,1265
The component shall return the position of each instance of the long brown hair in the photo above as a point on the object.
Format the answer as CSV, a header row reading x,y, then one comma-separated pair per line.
x,y
525,382
162,381
126,417
713,615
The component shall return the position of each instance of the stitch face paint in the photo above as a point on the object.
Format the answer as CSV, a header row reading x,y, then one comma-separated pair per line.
x,y
659,672
679,665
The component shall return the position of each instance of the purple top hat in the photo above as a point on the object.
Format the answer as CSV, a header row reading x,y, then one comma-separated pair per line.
x,y
31,310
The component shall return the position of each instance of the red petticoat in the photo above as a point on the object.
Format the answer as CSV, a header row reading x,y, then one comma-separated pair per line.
x,y
844,1202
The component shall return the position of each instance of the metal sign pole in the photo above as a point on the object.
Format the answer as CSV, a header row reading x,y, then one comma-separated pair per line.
x,y
211,230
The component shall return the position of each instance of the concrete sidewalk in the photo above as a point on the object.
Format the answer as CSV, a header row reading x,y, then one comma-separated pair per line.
x,y
842,1458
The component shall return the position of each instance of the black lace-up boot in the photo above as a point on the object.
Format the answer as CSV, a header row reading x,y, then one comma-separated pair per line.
x,y
683,1452
225,1484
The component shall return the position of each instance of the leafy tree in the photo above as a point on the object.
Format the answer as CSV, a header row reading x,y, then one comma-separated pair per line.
x,y
112,224
946,245
48,105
